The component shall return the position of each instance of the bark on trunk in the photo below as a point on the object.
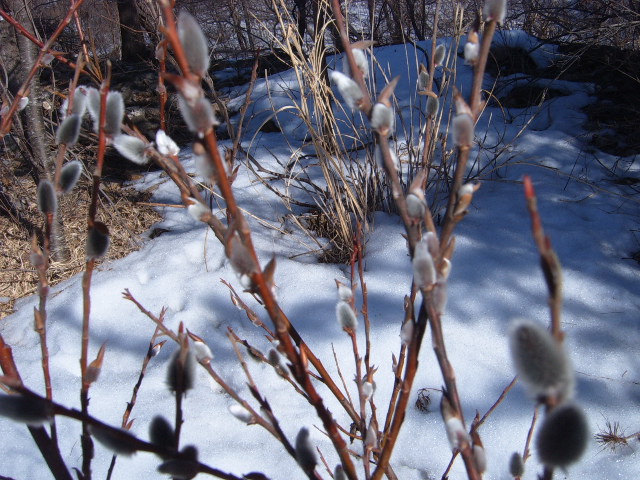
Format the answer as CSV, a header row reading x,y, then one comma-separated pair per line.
x,y
132,44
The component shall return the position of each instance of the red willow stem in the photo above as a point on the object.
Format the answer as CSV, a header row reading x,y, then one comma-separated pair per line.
x,y
552,271
44,49
87,443
23,31
239,225
426,157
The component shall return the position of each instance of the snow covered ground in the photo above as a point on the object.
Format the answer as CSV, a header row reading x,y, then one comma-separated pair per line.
x,y
495,278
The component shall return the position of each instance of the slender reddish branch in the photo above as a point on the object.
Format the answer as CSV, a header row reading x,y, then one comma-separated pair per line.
x,y
548,260
8,118
36,41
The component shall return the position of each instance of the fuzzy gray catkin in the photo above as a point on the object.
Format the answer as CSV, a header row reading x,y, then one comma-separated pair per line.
x,y
118,441
462,130
161,432
181,372
47,199
432,105
338,473
183,468
438,56
198,116
25,409
305,453
416,206
98,241
131,148
194,43
495,10
349,90
346,316
69,176
540,360
424,271
382,119
69,130
115,113
563,436
241,413
516,465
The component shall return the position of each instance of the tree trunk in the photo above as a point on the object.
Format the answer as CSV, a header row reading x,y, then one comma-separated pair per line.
x,y
132,44
34,127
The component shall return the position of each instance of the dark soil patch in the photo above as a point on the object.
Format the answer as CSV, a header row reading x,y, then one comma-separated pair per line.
x,y
614,118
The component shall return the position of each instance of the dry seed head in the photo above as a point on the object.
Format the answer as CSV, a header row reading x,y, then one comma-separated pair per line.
x,y
116,440
161,432
69,176
47,199
540,361
495,10
563,436
131,148
97,241
241,413
349,90
69,130
346,316
516,465
305,453
438,56
25,409
165,144
424,271
194,43
462,128
433,104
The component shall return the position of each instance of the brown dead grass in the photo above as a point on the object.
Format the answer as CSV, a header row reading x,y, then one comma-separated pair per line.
x,y
119,208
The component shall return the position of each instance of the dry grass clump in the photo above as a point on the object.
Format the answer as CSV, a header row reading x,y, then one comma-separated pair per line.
x,y
127,218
